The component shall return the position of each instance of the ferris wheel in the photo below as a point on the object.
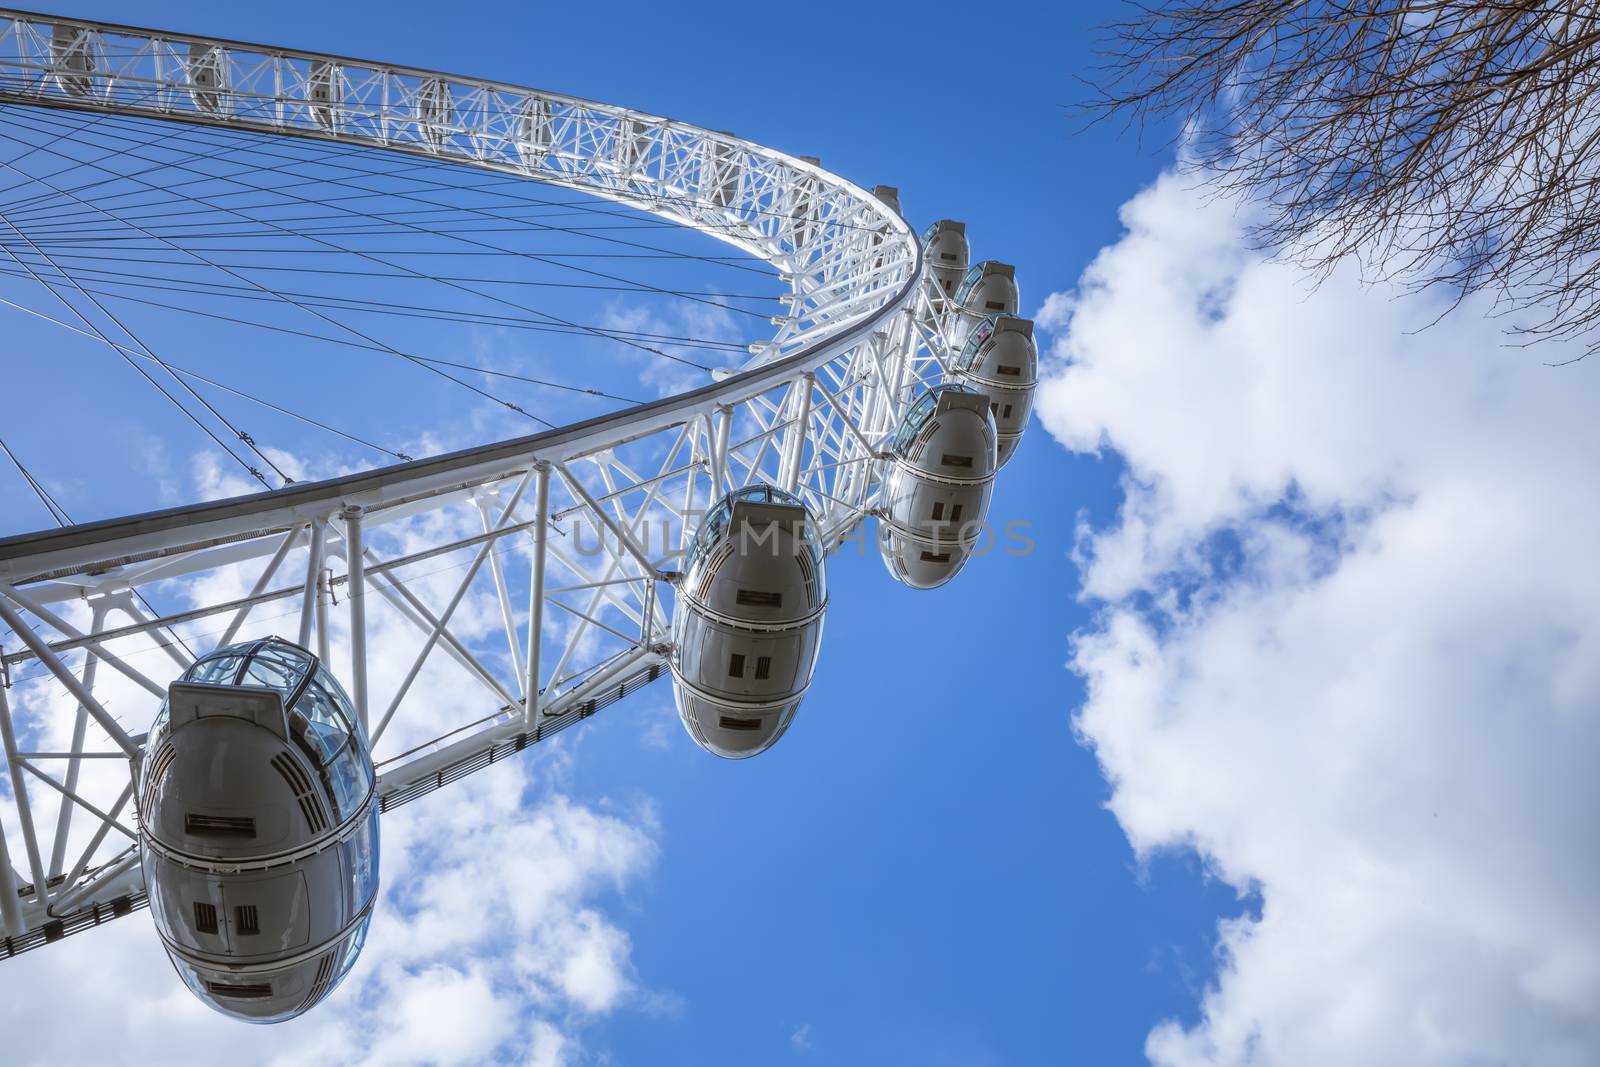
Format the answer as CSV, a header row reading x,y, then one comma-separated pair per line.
x,y
206,709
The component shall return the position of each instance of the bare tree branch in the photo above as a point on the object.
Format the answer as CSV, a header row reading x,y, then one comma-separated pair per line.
x,y
1453,144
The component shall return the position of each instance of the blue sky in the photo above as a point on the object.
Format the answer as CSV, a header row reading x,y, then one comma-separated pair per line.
x,y
933,874
925,870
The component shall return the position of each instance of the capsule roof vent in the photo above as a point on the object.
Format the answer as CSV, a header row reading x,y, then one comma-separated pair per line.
x,y
920,445
708,575
246,921
728,722
1009,372
324,978
955,461
808,570
300,785
160,764
759,598
205,917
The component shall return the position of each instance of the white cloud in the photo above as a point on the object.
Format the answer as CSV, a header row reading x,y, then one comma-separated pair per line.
x,y
488,947
682,318
1347,645
491,943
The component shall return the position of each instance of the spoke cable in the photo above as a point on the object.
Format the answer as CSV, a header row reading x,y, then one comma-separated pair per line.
x,y
254,472
411,271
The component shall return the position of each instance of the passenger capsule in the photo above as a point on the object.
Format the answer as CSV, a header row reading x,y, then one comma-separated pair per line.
x,y
944,249
1000,360
435,111
936,486
258,830
72,51
800,205
534,131
988,288
630,145
207,76
889,196
322,90
748,621
720,172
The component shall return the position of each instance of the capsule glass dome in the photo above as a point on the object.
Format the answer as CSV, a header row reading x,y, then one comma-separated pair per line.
x,y
748,623
259,830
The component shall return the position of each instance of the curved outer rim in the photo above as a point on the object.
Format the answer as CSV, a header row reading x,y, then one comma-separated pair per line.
x,y
25,553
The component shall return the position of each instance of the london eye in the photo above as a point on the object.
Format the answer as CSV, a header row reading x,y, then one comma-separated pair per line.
x,y
197,714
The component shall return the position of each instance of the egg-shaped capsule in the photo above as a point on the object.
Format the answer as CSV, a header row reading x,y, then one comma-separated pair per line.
x,y
944,249
999,359
748,621
937,479
258,830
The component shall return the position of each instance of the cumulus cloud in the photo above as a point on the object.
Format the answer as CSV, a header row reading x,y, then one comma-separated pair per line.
x,y
492,941
489,946
1346,645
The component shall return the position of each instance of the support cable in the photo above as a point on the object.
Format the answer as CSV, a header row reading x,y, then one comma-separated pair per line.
x,y
408,270
62,519
254,472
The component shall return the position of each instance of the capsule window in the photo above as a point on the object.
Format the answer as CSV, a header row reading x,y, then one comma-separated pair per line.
x,y
240,991
763,668
759,598
956,461
1007,411
728,722
736,665
938,510
245,920
955,512
205,917
935,557
218,825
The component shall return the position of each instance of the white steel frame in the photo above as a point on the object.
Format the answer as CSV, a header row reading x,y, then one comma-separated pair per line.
x,y
806,412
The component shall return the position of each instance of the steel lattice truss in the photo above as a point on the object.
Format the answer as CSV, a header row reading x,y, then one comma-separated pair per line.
x,y
571,535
